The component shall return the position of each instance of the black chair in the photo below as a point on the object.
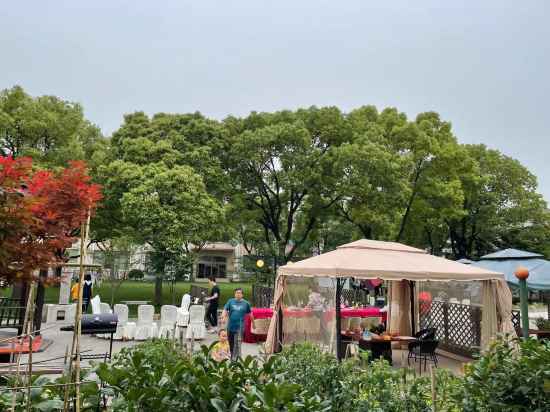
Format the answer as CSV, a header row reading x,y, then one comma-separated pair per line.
x,y
417,347
423,350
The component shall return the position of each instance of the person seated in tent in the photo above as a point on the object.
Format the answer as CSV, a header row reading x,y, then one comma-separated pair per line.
x,y
315,299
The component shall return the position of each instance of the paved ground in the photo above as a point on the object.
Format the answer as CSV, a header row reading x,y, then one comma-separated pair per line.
x,y
57,343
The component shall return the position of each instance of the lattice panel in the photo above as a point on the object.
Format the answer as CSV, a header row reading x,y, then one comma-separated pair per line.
x,y
458,326
516,319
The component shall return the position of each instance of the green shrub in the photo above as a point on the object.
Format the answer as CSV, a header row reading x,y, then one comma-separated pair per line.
x,y
155,376
46,397
136,274
318,373
510,376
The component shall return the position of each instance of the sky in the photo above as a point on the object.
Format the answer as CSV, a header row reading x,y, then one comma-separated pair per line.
x,y
483,65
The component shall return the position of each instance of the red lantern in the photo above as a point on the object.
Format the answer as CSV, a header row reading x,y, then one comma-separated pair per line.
x,y
425,302
375,282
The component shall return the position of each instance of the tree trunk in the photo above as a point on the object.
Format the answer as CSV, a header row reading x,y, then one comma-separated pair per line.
x,y
161,266
20,291
158,289
40,299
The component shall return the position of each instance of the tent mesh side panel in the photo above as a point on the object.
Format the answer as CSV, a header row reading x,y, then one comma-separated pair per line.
x,y
309,313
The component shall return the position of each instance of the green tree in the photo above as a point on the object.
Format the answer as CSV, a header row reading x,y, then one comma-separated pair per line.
x,y
171,211
501,207
282,166
376,173
184,139
50,130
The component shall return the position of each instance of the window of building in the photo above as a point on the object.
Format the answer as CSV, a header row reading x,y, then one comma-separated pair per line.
x,y
212,266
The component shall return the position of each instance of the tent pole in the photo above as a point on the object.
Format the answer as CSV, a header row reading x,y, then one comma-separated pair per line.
x,y
338,320
413,323
280,331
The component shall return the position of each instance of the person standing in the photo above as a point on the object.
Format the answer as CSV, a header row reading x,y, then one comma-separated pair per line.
x,y
86,292
234,312
75,290
213,299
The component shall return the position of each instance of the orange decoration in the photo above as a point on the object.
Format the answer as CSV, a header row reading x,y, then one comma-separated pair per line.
x,y
522,273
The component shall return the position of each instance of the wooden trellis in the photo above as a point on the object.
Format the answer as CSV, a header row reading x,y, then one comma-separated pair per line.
x,y
458,326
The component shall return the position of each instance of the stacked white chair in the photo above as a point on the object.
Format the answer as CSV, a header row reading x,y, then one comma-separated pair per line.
x,y
183,311
196,328
103,309
122,314
96,305
145,328
70,313
168,318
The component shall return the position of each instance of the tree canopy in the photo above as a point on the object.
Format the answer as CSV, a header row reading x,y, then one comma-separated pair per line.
x,y
39,213
286,183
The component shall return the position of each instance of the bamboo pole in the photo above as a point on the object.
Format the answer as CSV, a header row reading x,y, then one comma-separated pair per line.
x,y
30,337
29,381
26,330
77,327
434,395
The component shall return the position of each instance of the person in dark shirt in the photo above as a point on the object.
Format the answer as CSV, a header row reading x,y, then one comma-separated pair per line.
x,y
213,299
86,292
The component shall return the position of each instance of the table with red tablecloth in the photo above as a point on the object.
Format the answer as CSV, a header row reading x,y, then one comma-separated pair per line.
x,y
265,313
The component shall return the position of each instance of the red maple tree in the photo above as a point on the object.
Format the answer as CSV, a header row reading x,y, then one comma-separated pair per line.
x,y
40,213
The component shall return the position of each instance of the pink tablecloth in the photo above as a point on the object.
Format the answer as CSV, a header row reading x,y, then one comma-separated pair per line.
x,y
265,313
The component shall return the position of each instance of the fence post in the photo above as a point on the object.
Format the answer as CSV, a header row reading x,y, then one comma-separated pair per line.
x,y
446,322
476,322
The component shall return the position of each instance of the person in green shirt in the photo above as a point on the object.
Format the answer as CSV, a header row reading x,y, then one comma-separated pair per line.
x,y
234,312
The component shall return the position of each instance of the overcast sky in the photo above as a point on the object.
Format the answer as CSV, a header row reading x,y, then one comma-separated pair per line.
x,y
484,65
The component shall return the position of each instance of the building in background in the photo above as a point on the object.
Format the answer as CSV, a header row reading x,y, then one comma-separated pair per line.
x,y
220,259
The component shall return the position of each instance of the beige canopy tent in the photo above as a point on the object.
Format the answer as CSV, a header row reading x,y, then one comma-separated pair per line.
x,y
401,265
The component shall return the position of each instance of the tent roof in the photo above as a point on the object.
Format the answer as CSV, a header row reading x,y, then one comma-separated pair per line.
x,y
465,261
511,254
380,245
385,260
539,270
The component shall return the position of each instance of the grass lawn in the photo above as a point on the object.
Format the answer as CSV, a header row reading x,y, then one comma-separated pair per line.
x,y
137,290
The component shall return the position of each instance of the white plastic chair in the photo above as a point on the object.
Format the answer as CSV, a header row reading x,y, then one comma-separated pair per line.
x,y
70,313
122,313
183,311
196,327
96,305
168,318
145,328
104,308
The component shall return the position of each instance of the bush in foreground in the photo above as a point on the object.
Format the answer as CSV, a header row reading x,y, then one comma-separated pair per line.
x,y
155,376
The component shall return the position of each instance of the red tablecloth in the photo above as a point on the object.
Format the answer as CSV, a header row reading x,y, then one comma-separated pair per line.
x,y
265,313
